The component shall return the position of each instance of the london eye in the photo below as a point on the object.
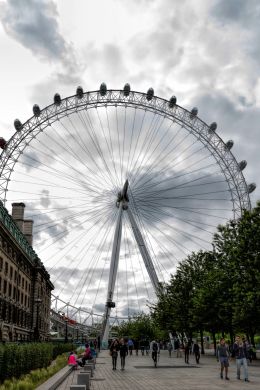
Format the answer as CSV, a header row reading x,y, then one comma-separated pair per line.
x,y
121,186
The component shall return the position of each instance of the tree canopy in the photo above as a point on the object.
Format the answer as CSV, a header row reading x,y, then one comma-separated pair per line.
x,y
218,290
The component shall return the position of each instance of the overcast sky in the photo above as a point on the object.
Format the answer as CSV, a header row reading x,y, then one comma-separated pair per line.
x,y
205,52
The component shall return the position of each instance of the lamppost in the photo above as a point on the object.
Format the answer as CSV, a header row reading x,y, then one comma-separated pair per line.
x,y
66,330
77,329
37,302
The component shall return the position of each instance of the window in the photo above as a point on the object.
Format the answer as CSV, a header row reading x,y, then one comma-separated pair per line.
x,y
5,286
26,285
15,276
22,282
14,293
6,268
1,263
22,298
19,280
10,290
11,273
0,283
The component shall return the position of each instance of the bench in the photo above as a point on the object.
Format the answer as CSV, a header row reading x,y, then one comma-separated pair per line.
x,y
53,382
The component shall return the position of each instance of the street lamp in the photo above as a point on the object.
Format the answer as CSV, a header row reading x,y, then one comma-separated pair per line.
x,y
66,330
77,328
37,302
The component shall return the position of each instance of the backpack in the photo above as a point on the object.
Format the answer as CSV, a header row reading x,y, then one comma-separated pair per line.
x,y
155,347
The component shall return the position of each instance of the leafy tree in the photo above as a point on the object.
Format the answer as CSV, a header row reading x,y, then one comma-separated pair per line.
x,y
140,327
238,246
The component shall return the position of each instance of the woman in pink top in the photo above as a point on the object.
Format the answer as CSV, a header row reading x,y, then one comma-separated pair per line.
x,y
72,360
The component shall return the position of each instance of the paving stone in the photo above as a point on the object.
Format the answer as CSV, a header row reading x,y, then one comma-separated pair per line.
x,y
171,373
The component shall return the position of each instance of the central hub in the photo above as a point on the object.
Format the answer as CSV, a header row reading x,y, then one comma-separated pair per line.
x,y
123,197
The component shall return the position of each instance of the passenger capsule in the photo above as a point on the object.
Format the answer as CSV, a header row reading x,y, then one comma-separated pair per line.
x,y
229,144
36,110
127,89
79,92
213,127
242,165
103,89
172,101
194,112
150,94
2,143
57,99
17,125
251,187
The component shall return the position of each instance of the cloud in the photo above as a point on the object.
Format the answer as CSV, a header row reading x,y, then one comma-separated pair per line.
x,y
35,26
236,11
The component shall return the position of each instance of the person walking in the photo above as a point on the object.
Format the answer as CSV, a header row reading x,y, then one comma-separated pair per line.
x,y
155,348
114,348
186,352
123,350
223,357
240,353
169,347
196,350
130,346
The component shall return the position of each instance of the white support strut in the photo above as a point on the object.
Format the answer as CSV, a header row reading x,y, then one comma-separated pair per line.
x,y
112,275
122,204
143,250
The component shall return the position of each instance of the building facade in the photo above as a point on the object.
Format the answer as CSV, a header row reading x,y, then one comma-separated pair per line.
x,y
25,286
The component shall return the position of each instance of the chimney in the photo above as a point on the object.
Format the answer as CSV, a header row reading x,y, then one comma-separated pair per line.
x,y
25,226
27,230
18,214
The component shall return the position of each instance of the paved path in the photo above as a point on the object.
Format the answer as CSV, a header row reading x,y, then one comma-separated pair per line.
x,y
171,374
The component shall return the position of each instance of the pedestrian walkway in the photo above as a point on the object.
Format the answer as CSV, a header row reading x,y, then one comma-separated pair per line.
x,y
171,373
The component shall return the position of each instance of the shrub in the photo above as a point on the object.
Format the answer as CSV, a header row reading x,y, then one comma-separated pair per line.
x,y
36,377
19,359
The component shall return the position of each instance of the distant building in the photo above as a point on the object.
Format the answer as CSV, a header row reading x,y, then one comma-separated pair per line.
x,y
25,286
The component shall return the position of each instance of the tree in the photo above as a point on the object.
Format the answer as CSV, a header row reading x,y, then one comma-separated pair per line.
x,y
238,244
141,326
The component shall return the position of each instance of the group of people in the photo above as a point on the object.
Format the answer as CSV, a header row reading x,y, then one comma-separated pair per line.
x,y
88,354
125,346
121,347
188,348
241,351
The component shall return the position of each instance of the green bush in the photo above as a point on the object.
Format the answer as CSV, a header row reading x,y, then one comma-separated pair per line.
x,y
36,377
19,359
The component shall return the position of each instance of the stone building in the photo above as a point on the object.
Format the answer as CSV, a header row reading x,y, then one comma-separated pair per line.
x,y
25,286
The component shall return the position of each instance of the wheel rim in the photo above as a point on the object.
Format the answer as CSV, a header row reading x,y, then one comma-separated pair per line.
x,y
74,157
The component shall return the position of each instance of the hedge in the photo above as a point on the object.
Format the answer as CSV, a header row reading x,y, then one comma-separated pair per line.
x,y
19,359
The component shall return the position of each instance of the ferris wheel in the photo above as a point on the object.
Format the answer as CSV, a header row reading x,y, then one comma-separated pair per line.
x,y
121,186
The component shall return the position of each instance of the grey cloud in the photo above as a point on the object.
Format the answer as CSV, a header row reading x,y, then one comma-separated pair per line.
x,y
245,16
34,25
237,11
234,121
